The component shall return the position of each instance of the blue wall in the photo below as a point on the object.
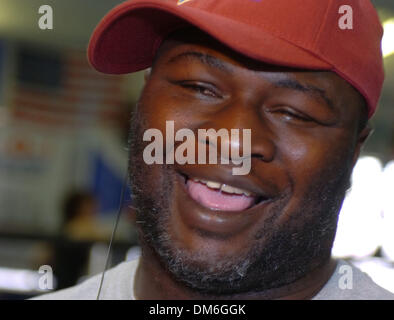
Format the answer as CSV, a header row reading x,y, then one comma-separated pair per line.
x,y
107,186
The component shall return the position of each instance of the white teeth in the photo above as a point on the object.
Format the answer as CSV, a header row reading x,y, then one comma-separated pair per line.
x,y
213,185
230,189
223,187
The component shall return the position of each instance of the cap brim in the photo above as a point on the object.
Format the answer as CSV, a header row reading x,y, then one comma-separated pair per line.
x,y
127,38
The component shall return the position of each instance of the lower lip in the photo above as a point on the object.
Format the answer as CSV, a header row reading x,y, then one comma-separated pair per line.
x,y
215,221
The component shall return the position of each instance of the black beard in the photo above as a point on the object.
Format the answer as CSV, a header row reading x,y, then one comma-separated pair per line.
x,y
280,254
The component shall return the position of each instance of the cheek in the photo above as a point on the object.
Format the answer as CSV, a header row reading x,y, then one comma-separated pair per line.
x,y
316,169
157,107
307,157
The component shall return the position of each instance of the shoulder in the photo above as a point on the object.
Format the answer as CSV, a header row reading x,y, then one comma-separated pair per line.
x,y
117,285
350,283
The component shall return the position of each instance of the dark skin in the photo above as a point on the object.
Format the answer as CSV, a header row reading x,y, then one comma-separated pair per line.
x,y
303,123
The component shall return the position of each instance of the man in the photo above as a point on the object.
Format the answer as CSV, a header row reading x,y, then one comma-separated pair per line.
x,y
304,78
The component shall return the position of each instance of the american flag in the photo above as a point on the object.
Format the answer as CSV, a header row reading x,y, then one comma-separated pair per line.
x,y
62,89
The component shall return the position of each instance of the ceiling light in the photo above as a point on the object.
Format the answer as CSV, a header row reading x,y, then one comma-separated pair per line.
x,y
388,38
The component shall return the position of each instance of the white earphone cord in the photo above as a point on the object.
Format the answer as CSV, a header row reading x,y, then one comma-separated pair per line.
x,y
113,235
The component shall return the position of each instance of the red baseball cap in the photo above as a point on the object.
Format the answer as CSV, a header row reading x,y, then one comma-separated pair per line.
x,y
295,33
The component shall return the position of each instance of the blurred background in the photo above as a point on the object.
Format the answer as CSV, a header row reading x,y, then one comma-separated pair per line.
x,y
63,155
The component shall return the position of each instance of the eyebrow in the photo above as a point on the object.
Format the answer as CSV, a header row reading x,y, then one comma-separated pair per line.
x,y
287,83
305,88
204,58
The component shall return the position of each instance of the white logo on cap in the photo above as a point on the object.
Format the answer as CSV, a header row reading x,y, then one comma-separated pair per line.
x,y
182,2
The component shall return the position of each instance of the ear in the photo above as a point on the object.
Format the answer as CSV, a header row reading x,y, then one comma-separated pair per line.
x,y
147,74
362,137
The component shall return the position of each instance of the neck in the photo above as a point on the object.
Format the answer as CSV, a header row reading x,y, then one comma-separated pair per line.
x,y
153,282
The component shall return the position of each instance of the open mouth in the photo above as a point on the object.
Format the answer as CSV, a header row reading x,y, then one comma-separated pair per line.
x,y
219,196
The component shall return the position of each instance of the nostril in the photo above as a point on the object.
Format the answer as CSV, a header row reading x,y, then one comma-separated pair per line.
x,y
258,156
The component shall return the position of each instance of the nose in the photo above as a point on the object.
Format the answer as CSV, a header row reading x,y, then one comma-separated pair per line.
x,y
237,118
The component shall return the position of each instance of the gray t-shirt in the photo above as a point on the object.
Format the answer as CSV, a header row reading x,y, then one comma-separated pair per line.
x,y
346,283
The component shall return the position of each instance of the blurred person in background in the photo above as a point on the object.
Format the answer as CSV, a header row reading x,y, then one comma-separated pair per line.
x,y
80,218
80,230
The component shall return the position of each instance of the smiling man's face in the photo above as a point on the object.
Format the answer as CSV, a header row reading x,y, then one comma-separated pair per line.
x,y
305,140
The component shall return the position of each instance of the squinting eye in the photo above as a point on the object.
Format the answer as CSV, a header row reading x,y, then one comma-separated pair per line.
x,y
200,89
295,116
